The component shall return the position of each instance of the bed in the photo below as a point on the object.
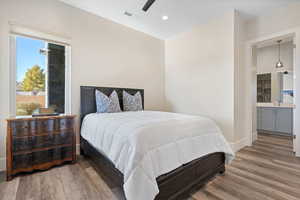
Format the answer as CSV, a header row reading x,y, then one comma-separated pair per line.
x,y
171,182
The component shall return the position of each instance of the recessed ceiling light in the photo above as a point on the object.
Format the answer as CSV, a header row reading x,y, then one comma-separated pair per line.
x,y
165,17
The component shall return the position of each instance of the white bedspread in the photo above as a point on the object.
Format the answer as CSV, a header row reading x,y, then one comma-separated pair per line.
x,y
146,144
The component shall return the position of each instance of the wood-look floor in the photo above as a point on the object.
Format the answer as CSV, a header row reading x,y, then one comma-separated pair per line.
x,y
267,170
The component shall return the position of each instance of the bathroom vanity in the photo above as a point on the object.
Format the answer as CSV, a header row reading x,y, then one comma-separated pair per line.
x,y
275,119
275,102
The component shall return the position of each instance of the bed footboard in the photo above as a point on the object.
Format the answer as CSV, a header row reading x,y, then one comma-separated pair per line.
x,y
177,184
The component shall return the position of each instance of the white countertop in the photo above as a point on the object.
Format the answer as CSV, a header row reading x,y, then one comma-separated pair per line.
x,y
272,105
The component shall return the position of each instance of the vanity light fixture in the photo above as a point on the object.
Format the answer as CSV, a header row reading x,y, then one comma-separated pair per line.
x,y
279,64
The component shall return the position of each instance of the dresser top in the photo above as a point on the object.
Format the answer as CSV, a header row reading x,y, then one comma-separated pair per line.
x,y
29,118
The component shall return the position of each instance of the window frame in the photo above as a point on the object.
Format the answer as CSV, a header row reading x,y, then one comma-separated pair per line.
x,y
16,31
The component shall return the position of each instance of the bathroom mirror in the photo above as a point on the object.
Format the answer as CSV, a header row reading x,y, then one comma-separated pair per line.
x,y
286,84
275,87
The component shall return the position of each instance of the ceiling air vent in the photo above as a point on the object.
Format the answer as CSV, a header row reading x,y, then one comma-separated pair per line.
x,y
128,14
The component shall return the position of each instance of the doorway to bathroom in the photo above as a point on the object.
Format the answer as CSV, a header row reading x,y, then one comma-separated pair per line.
x,y
273,94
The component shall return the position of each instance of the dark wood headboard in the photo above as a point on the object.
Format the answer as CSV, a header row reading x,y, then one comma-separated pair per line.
x,y
88,99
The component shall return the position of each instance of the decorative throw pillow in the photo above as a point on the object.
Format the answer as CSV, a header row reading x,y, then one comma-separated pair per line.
x,y
107,104
132,102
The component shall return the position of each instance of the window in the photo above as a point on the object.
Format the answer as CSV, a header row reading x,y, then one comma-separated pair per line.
x,y
41,79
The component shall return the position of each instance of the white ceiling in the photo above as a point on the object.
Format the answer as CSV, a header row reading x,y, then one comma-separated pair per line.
x,y
183,14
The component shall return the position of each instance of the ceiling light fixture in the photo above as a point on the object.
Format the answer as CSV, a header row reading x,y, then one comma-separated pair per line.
x,y
165,17
279,64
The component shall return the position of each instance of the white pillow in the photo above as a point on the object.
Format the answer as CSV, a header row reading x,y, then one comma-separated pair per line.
x,y
132,102
107,104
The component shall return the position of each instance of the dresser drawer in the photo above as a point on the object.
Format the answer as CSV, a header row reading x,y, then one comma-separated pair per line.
x,y
45,126
41,157
50,125
35,142
23,128
33,127
65,123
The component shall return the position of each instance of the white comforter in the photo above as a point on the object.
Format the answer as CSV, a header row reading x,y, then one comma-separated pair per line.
x,y
144,145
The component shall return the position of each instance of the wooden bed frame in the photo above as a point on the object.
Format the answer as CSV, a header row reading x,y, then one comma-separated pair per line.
x,y
177,184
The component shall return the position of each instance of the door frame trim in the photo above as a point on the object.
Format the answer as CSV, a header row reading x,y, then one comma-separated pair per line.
x,y
250,104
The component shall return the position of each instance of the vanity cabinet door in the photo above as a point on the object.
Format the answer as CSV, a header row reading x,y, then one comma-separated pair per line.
x,y
284,120
258,122
268,118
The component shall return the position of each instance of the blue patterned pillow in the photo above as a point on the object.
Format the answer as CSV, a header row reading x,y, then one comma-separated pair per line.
x,y
132,102
107,104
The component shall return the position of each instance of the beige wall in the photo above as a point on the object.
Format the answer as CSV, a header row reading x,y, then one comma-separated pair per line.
x,y
103,53
274,21
205,75
200,72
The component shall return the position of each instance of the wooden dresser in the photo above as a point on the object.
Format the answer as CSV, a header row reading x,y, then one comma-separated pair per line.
x,y
39,143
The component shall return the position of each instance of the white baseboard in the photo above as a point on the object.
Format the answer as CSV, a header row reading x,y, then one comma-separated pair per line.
x,y
254,136
236,146
2,164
